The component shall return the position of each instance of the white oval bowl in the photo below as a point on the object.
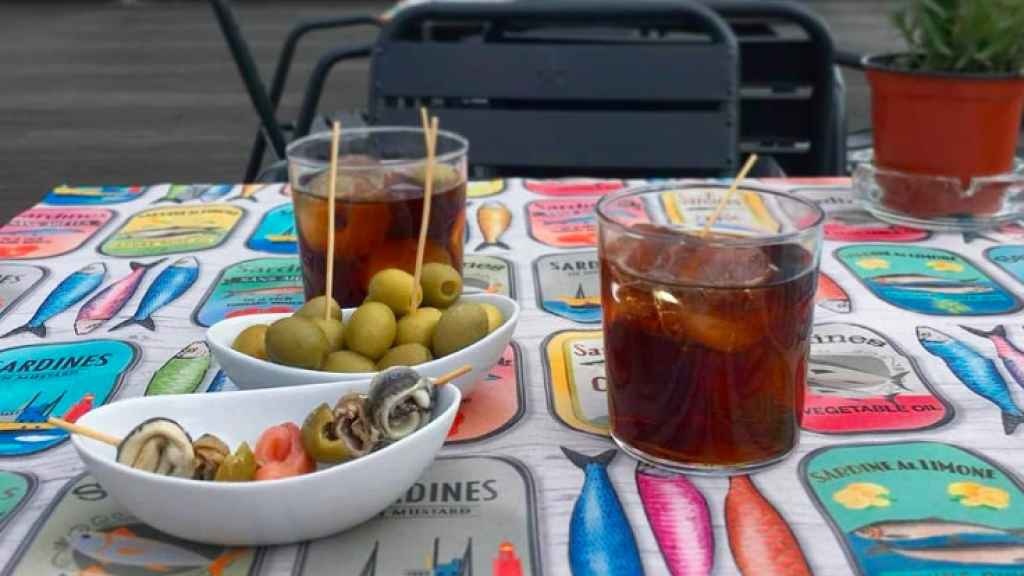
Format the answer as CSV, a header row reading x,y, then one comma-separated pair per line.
x,y
250,373
267,512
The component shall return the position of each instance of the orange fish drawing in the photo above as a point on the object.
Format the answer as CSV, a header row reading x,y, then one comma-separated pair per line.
x,y
831,295
121,547
493,219
761,541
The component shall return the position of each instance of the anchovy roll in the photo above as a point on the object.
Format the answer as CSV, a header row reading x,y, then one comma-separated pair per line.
x,y
158,445
400,402
353,427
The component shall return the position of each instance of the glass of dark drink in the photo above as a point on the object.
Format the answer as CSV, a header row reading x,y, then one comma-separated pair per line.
x,y
378,205
706,336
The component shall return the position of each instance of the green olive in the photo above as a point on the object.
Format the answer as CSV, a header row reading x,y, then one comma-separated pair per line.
x,y
393,287
237,467
371,330
405,355
319,437
296,341
494,317
252,341
334,331
441,283
460,326
418,326
348,361
315,308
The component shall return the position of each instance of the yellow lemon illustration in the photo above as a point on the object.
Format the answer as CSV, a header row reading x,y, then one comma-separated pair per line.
x,y
973,494
861,495
873,263
945,266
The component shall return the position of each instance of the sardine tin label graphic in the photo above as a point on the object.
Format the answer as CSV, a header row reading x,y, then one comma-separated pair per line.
x,y
484,188
15,490
179,193
926,280
44,232
576,381
16,282
497,403
744,212
573,186
85,532
572,223
569,285
92,195
831,296
43,380
492,274
918,508
257,286
276,232
858,380
1010,258
173,229
465,515
847,222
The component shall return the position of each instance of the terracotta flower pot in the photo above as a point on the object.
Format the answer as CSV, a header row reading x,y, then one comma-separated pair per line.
x,y
942,124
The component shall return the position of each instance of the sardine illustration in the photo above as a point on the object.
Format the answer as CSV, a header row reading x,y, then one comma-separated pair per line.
x,y
901,530
174,281
831,296
761,541
975,371
999,554
69,292
1012,357
853,376
183,373
121,547
249,192
219,381
679,518
170,232
493,219
109,301
181,193
931,284
601,542
215,192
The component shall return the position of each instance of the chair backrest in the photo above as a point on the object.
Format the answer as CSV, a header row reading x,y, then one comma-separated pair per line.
x,y
558,88
789,104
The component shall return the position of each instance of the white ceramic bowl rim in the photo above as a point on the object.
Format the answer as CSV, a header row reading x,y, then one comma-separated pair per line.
x,y
367,460
320,373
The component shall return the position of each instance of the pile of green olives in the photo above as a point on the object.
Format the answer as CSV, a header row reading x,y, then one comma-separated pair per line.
x,y
386,330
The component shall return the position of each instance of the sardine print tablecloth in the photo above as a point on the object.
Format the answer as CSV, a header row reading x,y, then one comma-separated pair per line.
x,y
910,461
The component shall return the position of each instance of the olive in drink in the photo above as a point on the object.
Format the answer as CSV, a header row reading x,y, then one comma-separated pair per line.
x,y
706,338
379,202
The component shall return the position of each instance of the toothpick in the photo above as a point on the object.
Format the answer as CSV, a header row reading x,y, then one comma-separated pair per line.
x,y
430,134
725,200
332,182
86,431
446,378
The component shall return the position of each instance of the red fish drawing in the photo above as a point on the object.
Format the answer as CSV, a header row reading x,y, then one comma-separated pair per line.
x,y
761,541
832,296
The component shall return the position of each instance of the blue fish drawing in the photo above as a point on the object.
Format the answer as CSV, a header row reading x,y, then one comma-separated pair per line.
x,y
174,281
601,542
976,372
215,192
69,292
219,381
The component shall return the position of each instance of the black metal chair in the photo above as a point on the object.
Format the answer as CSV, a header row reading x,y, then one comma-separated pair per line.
x,y
607,98
792,98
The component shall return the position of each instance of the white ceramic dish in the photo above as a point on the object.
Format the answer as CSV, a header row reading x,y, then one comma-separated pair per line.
x,y
268,512
250,373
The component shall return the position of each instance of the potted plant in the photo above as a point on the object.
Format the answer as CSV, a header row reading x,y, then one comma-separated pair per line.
x,y
951,105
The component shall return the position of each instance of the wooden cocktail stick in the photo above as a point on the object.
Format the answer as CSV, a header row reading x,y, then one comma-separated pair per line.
x,y
732,190
85,431
446,378
430,134
332,182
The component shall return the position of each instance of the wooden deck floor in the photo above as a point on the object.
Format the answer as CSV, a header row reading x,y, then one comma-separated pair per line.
x,y
141,91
